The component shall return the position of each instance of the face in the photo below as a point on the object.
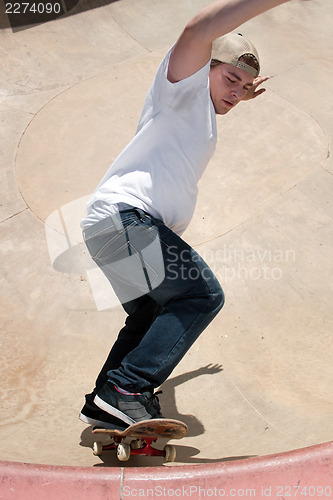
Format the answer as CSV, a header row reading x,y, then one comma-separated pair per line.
x,y
228,86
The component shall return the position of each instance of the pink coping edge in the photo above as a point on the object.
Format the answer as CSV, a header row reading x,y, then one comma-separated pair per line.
x,y
302,473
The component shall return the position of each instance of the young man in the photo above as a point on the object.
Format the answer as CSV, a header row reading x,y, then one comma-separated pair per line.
x,y
146,200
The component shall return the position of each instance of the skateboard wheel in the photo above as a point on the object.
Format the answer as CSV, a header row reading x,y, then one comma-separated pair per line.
x,y
170,453
97,448
135,444
123,452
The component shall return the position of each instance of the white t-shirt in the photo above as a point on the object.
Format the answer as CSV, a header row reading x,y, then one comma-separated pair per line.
x,y
160,168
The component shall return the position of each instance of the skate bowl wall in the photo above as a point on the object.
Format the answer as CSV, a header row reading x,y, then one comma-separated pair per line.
x,y
305,473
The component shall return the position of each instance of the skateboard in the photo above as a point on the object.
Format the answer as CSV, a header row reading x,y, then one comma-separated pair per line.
x,y
144,434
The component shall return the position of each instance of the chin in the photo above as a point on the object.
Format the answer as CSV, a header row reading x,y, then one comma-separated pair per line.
x,y
222,111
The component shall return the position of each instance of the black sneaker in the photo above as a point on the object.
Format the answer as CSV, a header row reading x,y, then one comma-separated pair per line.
x,y
130,408
92,415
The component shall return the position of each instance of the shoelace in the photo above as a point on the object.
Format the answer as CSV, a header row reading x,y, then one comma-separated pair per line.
x,y
154,401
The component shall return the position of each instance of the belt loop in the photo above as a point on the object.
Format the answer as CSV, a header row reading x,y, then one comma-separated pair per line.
x,y
140,214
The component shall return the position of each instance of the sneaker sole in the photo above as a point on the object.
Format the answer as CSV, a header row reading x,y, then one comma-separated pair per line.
x,y
99,423
113,411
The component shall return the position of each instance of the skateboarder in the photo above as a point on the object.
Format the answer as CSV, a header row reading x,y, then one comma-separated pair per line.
x,y
140,209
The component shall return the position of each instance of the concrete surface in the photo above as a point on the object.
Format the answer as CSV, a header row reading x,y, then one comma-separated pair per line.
x,y
261,374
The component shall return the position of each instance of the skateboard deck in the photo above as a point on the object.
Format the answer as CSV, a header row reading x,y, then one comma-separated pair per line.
x,y
144,434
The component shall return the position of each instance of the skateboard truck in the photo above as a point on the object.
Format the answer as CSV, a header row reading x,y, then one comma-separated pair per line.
x,y
136,447
145,434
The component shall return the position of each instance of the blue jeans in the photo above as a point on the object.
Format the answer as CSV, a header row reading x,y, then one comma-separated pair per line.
x,y
168,291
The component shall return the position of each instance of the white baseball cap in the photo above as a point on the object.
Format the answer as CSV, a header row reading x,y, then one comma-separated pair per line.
x,y
231,47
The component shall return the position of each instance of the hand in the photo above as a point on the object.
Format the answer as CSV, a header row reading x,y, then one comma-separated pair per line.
x,y
253,92
210,369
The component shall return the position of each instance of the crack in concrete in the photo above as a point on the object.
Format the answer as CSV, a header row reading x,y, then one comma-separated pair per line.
x,y
14,215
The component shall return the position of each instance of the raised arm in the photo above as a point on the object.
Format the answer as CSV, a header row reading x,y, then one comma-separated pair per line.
x,y
193,48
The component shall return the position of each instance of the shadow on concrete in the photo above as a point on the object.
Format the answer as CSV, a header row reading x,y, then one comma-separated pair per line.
x,y
28,13
168,398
